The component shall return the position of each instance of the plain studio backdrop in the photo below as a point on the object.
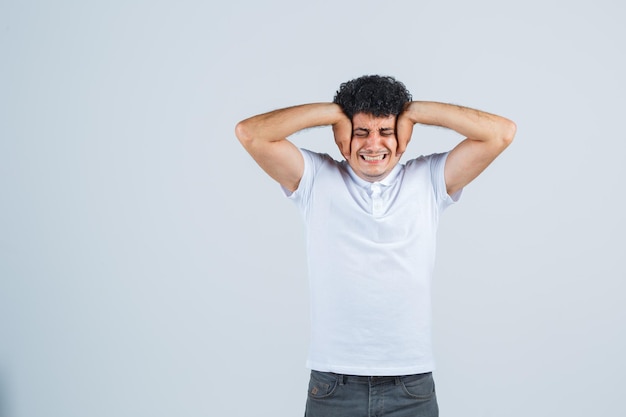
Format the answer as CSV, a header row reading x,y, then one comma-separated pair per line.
x,y
149,268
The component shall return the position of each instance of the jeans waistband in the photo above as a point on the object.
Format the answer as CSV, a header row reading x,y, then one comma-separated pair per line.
x,y
375,380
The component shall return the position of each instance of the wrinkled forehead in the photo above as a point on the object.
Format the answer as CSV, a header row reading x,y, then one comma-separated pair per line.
x,y
371,122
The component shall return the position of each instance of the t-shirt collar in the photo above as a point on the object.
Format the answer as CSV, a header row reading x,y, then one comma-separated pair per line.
x,y
388,180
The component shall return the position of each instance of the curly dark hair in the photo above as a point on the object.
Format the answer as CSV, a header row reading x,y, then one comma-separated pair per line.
x,y
372,94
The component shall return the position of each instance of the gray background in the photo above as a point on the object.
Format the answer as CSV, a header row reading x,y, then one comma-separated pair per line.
x,y
149,268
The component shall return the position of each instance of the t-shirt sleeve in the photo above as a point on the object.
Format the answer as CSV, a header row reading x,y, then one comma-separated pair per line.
x,y
312,162
437,165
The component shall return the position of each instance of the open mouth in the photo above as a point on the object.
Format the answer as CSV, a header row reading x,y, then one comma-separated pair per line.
x,y
370,158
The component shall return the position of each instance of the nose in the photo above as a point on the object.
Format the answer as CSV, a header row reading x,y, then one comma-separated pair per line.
x,y
374,142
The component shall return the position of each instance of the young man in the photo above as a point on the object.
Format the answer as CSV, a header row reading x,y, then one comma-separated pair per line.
x,y
371,226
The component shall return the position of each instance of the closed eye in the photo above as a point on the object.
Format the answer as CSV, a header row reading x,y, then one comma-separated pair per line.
x,y
361,133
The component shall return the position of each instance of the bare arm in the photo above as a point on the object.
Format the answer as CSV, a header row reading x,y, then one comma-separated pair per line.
x,y
487,135
265,138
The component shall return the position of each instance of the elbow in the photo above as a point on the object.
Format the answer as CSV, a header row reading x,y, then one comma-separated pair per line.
x,y
509,128
243,133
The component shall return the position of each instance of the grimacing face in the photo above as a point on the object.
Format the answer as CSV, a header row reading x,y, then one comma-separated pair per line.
x,y
373,146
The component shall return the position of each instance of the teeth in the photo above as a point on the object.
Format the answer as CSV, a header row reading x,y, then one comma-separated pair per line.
x,y
373,158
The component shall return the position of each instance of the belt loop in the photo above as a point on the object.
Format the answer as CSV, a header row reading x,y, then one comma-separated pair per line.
x,y
398,380
342,379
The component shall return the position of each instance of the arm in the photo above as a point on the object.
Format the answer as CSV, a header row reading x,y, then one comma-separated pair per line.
x,y
265,138
487,135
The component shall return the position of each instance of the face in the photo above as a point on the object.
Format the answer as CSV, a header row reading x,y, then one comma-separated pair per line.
x,y
373,146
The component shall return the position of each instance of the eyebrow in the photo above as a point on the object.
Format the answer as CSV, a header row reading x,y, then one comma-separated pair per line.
x,y
382,129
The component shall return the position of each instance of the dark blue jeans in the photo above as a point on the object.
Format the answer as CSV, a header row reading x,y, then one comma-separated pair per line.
x,y
335,395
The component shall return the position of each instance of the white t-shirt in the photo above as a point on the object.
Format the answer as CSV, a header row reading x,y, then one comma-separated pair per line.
x,y
371,254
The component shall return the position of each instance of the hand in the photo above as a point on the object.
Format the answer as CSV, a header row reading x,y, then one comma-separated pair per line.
x,y
343,136
404,130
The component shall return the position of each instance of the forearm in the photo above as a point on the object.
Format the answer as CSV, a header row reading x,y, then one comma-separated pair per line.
x,y
279,124
471,123
264,137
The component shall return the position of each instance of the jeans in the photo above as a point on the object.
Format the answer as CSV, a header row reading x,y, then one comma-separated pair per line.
x,y
335,395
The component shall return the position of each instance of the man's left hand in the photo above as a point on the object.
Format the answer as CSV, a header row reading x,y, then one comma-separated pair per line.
x,y
404,130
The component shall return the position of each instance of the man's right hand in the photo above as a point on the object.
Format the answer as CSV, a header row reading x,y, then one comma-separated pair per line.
x,y
342,130
264,136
